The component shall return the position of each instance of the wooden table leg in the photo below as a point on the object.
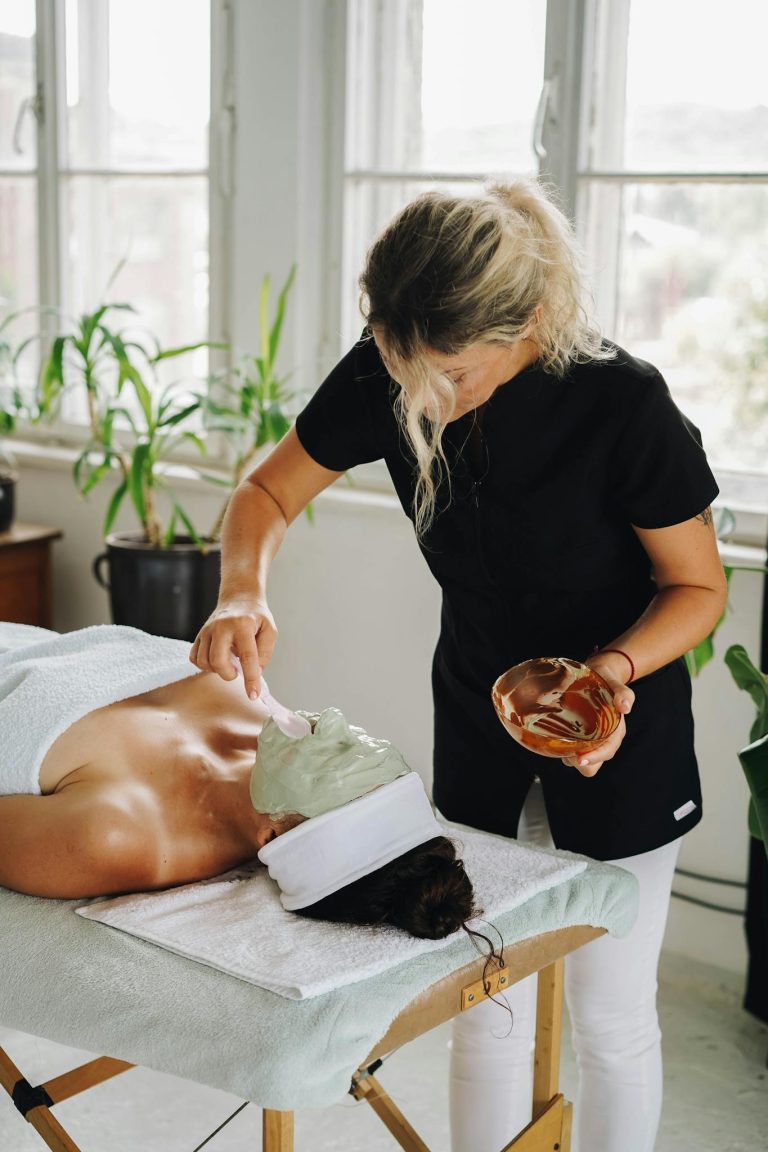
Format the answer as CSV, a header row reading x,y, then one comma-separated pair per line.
x,y
549,1008
39,1116
368,1088
276,1131
85,1077
548,1132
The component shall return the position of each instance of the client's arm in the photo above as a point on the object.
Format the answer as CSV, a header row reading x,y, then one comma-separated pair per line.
x,y
72,844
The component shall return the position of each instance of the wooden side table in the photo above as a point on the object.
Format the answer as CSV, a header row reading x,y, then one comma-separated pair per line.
x,y
25,574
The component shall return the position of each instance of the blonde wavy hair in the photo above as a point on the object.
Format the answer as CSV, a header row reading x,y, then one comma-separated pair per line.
x,y
449,272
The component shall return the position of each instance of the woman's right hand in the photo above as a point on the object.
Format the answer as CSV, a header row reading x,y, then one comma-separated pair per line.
x,y
245,630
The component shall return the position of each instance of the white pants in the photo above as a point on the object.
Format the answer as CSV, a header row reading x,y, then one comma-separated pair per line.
x,y
610,989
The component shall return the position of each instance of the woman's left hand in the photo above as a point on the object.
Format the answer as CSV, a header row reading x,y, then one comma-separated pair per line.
x,y
590,763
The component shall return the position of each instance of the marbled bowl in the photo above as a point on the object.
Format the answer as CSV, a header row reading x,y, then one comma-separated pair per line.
x,y
555,706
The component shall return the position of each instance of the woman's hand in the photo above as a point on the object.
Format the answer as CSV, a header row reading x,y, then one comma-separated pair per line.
x,y
237,629
623,698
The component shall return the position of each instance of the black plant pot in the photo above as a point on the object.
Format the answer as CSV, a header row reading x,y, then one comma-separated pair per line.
x,y
7,501
163,591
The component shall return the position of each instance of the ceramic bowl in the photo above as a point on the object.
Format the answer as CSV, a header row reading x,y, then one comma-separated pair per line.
x,y
555,706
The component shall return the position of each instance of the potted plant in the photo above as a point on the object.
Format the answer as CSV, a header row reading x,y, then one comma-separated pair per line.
x,y
8,479
163,576
8,473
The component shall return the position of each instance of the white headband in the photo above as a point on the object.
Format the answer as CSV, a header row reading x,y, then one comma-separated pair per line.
x,y
327,852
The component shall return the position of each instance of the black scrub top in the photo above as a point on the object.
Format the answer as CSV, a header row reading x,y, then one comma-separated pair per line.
x,y
533,548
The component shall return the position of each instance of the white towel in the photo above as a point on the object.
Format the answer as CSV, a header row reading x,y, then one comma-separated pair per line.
x,y
48,681
235,922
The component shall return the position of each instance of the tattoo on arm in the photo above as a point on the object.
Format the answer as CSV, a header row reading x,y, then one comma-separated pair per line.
x,y
706,517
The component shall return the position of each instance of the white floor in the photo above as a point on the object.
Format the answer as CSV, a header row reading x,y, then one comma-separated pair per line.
x,y
715,1068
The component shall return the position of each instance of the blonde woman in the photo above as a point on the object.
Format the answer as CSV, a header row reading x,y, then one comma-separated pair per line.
x,y
562,502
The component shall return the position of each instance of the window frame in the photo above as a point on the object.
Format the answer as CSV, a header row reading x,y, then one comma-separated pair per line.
x,y
277,181
51,173
566,136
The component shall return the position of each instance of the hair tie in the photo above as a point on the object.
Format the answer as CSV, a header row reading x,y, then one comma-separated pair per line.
x,y
621,652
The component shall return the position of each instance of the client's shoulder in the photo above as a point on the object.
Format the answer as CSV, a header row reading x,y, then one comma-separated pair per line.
x,y
85,840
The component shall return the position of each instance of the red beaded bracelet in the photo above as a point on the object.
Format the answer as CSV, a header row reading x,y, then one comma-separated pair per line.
x,y
602,651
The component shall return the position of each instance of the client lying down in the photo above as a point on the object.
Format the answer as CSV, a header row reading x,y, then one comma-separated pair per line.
x,y
123,768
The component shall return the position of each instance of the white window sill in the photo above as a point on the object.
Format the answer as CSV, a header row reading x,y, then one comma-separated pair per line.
x,y
342,495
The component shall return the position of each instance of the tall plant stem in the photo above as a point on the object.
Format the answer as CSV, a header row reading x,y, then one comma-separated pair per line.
x,y
151,524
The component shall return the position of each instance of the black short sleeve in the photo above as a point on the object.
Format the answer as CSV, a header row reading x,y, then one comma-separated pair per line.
x,y
347,420
661,472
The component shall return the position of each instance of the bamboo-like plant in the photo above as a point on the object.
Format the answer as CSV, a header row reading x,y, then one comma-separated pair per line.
x,y
135,425
249,404
118,378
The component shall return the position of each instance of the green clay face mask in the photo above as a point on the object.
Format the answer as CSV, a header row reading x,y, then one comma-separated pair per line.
x,y
316,773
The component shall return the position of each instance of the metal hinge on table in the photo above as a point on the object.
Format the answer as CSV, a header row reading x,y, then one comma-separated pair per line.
x,y
498,981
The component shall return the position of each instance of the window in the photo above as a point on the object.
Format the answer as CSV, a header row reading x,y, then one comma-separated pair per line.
x,y
433,101
104,122
651,118
18,158
674,202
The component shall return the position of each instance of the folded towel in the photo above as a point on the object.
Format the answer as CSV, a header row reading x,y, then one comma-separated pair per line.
x,y
236,923
48,681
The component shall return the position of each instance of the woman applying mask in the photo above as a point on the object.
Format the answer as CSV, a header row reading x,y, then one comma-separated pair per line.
x,y
561,501
140,773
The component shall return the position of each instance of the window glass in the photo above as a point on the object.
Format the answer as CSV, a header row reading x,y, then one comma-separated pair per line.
x,y
18,143
138,83
482,72
693,299
157,229
434,86
18,161
138,107
681,267
18,244
697,86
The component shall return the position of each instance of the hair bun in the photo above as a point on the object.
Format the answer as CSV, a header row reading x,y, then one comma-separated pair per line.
x,y
438,901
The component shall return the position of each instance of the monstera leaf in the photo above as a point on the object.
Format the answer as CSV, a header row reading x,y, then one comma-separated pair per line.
x,y
754,758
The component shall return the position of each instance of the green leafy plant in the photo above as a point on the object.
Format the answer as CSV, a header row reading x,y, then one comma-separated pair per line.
x,y
12,406
249,404
135,424
754,758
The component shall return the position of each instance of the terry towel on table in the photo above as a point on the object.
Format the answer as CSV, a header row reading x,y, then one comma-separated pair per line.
x,y
235,922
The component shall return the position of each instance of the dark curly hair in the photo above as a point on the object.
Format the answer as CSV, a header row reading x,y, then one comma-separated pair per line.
x,y
425,891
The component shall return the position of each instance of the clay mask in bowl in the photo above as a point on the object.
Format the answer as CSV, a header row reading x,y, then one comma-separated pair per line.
x,y
555,706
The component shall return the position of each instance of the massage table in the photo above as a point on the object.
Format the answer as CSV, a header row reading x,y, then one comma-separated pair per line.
x,y
78,983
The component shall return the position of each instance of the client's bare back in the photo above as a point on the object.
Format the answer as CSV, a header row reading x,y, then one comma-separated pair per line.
x,y
146,793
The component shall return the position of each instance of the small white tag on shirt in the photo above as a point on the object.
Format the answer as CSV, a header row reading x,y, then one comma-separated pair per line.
x,y
684,809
